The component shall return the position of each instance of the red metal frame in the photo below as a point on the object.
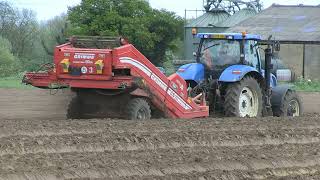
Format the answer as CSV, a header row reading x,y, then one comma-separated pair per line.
x,y
168,94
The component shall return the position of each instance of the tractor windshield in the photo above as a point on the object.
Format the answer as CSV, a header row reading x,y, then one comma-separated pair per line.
x,y
220,53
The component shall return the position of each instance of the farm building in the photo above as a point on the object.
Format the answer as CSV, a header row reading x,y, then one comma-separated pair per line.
x,y
298,30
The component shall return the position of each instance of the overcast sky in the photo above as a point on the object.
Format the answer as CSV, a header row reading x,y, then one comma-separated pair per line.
x,y
47,9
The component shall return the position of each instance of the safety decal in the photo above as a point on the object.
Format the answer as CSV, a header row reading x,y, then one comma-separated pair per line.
x,y
157,80
137,64
83,56
178,99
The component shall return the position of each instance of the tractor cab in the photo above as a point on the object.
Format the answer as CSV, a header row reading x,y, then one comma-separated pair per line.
x,y
219,51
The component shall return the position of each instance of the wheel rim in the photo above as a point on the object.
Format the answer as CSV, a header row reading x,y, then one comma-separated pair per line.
x,y
248,103
141,114
293,108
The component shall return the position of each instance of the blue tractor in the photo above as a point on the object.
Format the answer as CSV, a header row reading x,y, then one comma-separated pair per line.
x,y
229,72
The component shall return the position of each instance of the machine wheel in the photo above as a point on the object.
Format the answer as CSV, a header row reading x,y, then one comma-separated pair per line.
x,y
138,109
75,109
291,106
243,99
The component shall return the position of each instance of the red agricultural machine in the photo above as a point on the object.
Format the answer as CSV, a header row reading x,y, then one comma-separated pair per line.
x,y
112,78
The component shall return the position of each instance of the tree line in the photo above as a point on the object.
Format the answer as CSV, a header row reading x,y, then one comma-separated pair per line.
x,y
26,43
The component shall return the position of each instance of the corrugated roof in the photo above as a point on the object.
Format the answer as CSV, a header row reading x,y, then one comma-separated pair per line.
x,y
209,19
237,17
285,23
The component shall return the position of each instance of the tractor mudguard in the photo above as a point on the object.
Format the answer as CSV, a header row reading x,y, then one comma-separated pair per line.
x,y
278,94
192,71
235,73
273,79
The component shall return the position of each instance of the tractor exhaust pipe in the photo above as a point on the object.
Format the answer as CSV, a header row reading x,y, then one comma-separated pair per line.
x,y
268,67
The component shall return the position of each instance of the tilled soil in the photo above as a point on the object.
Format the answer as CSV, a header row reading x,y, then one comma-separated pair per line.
x,y
38,143
162,149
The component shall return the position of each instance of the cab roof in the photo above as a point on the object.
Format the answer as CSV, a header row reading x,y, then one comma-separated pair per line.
x,y
231,36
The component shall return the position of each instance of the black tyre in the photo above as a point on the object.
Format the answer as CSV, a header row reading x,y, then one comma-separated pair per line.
x,y
291,106
243,99
138,109
75,108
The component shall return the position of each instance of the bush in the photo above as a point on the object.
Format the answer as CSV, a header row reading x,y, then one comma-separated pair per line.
x,y
9,64
307,85
168,63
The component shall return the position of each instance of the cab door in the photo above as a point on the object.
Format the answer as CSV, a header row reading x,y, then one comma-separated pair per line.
x,y
252,56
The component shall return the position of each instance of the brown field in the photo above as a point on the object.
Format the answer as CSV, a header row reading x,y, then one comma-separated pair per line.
x,y
36,142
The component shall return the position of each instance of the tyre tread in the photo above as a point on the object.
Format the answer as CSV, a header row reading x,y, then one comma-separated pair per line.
x,y
232,97
136,103
282,110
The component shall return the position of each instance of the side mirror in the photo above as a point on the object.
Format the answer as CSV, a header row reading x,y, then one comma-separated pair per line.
x,y
277,46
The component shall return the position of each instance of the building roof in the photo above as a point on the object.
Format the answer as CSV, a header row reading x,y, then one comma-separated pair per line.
x,y
235,36
209,19
284,23
237,17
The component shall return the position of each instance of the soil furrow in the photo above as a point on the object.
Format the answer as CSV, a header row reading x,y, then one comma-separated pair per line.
x,y
228,169
159,157
135,141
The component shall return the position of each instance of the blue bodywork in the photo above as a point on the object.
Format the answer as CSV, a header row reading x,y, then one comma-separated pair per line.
x,y
235,73
273,79
193,71
231,36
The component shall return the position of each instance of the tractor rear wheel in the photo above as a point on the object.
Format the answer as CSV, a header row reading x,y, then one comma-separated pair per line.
x,y
75,108
138,109
291,106
243,99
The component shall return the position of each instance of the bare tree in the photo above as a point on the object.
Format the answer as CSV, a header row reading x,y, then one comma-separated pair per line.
x,y
20,27
7,18
26,31
54,32
232,6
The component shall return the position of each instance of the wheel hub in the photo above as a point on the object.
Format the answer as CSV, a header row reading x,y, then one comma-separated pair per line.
x,y
293,108
248,103
141,114
244,104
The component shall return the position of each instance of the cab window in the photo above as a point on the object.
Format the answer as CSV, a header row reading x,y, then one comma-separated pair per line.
x,y
251,54
220,53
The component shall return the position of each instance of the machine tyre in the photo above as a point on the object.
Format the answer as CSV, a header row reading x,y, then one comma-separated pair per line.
x,y
291,106
236,91
75,108
138,109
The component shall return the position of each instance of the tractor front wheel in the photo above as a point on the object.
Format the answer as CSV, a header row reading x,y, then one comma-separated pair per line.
x,y
243,99
138,109
291,106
